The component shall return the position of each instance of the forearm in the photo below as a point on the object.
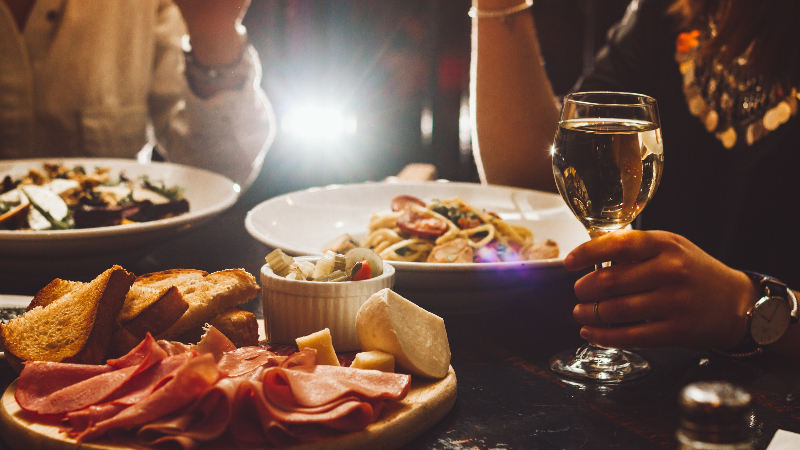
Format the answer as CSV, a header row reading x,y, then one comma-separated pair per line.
x,y
514,107
217,47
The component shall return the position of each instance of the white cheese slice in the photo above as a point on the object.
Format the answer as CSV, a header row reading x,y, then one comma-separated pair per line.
x,y
48,201
415,337
374,360
322,342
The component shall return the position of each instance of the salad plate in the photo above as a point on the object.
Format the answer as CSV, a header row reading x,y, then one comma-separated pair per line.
x,y
308,222
43,253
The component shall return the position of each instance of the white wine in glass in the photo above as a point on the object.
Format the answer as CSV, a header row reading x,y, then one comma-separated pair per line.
x,y
607,162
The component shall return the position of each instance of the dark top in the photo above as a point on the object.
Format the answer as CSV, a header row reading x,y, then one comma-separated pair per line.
x,y
739,204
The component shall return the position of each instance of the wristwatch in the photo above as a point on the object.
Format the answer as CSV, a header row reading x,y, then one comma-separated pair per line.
x,y
205,81
769,318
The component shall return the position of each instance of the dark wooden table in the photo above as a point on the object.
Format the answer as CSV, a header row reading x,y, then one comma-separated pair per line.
x,y
507,398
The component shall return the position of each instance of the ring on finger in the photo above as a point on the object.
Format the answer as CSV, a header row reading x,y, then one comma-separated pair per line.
x,y
597,313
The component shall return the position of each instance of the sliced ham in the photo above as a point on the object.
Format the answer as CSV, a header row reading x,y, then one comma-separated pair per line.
x,y
184,395
136,390
33,396
184,386
247,359
207,419
319,385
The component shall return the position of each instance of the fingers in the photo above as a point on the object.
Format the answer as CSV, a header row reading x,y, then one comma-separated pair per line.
x,y
625,309
669,267
619,246
617,280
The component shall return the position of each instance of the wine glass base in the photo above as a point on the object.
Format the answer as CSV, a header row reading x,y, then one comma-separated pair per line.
x,y
600,364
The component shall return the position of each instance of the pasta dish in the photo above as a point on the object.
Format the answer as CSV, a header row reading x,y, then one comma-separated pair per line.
x,y
446,231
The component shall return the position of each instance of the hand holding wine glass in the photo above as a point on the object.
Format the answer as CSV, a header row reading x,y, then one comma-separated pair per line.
x,y
607,162
674,293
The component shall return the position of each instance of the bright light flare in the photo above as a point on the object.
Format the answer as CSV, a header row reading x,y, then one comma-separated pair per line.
x,y
318,123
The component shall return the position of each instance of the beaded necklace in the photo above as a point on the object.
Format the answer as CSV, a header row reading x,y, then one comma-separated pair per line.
x,y
730,101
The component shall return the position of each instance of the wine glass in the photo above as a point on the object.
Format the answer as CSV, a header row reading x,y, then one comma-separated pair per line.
x,y
607,162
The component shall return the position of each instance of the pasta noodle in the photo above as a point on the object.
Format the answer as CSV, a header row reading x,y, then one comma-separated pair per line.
x,y
449,230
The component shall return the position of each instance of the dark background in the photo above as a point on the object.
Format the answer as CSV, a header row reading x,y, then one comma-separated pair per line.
x,y
385,62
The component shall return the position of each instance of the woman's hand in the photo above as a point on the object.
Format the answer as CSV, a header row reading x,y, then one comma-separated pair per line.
x,y
678,294
213,29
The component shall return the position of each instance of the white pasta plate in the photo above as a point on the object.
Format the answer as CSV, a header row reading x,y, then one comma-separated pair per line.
x,y
40,254
307,222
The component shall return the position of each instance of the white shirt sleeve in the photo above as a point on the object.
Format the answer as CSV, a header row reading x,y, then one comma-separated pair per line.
x,y
228,133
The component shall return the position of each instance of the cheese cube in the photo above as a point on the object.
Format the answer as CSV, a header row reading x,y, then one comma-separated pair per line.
x,y
374,360
415,337
322,342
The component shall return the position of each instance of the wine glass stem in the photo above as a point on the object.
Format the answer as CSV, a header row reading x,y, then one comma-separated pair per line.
x,y
602,265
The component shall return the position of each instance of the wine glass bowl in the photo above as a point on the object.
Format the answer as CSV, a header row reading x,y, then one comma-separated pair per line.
x,y
607,162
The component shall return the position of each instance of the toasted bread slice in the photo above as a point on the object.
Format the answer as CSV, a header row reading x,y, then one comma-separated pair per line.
x,y
210,295
151,310
74,326
238,325
206,294
52,292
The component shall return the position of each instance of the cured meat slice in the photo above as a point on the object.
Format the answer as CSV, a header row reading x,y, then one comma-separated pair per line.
x,y
136,390
319,385
35,395
207,419
183,387
247,359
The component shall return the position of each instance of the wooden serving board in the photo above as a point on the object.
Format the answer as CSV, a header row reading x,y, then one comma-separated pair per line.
x,y
426,403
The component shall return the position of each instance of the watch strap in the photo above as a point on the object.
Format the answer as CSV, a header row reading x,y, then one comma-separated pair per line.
x,y
206,81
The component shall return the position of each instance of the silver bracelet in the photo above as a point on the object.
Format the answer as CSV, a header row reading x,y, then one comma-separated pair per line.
x,y
498,13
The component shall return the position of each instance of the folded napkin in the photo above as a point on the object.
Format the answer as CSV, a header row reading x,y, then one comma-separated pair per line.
x,y
784,440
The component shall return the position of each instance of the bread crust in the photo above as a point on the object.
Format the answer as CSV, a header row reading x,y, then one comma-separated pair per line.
x,y
155,318
68,321
52,292
110,303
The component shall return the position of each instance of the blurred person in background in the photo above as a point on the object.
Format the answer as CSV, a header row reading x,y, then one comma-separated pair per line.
x,y
109,78
726,75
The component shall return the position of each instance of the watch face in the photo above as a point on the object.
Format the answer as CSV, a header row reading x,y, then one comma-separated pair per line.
x,y
770,320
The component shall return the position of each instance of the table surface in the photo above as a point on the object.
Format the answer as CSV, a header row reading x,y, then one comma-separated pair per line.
x,y
507,397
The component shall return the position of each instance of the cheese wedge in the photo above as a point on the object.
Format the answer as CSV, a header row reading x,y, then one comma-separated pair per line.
x,y
322,342
374,360
415,337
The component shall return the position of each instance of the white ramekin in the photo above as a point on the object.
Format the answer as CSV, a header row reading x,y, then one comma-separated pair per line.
x,y
294,308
